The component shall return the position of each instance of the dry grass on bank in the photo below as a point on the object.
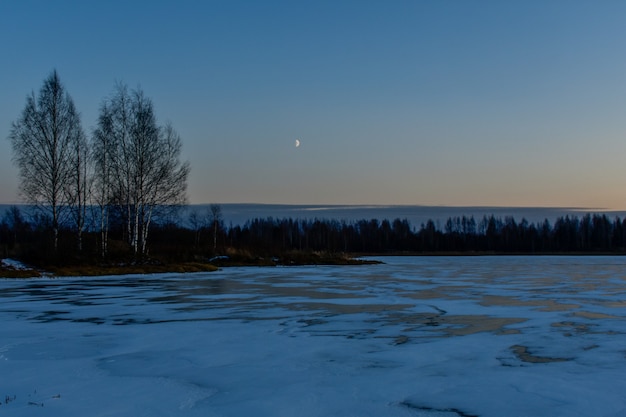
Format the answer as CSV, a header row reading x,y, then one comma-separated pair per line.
x,y
95,270
103,270
18,273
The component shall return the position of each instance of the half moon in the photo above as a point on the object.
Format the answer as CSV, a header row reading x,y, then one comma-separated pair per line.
x,y
297,143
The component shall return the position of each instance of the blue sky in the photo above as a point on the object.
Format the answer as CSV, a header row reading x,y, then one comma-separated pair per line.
x,y
506,103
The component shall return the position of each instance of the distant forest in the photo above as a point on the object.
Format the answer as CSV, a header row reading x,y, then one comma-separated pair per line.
x,y
202,237
591,233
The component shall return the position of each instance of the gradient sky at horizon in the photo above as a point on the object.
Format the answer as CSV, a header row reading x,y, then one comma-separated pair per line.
x,y
451,102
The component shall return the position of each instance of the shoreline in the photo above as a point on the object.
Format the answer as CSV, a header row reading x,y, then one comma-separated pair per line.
x,y
25,272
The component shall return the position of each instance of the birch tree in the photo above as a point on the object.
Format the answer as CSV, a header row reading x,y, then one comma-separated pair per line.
x,y
216,220
77,191
146,173
103,156
44,140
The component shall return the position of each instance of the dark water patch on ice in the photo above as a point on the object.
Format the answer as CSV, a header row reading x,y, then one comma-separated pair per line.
x,y
570,328
453,324
595,315
514,301
449,292
339,308
462,325
400,340
51,315
523,354
437,412
94,320
312,322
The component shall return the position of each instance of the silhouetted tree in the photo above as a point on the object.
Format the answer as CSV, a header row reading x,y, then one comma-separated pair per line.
x,y
197,221
103,156
147,173
14,227
216,222
46,140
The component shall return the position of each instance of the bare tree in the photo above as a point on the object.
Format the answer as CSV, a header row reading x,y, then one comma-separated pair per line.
x,y
44,141
146,173
197,222
163,179
77,191
103,155
15,222
122,155
216,220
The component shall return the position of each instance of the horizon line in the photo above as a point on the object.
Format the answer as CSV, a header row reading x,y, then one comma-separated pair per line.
x,y
377,205
381,205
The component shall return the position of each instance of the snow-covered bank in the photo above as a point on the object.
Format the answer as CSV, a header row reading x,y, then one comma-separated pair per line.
x,y
13,264
515,336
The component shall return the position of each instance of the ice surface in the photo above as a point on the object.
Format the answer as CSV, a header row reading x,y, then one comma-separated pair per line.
x,y
427,336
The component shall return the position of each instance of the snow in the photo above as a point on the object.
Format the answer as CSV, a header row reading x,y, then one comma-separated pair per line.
x,y
14,264
426,336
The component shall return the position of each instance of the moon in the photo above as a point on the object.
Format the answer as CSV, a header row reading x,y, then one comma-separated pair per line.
x,y
297,143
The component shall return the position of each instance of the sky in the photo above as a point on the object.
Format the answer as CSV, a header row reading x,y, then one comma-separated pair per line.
x,y
423,102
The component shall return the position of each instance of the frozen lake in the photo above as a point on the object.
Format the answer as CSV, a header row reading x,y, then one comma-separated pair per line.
x,y
423,336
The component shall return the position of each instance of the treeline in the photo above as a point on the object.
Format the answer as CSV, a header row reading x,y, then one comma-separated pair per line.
x,y
593,233
201,237
28,235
